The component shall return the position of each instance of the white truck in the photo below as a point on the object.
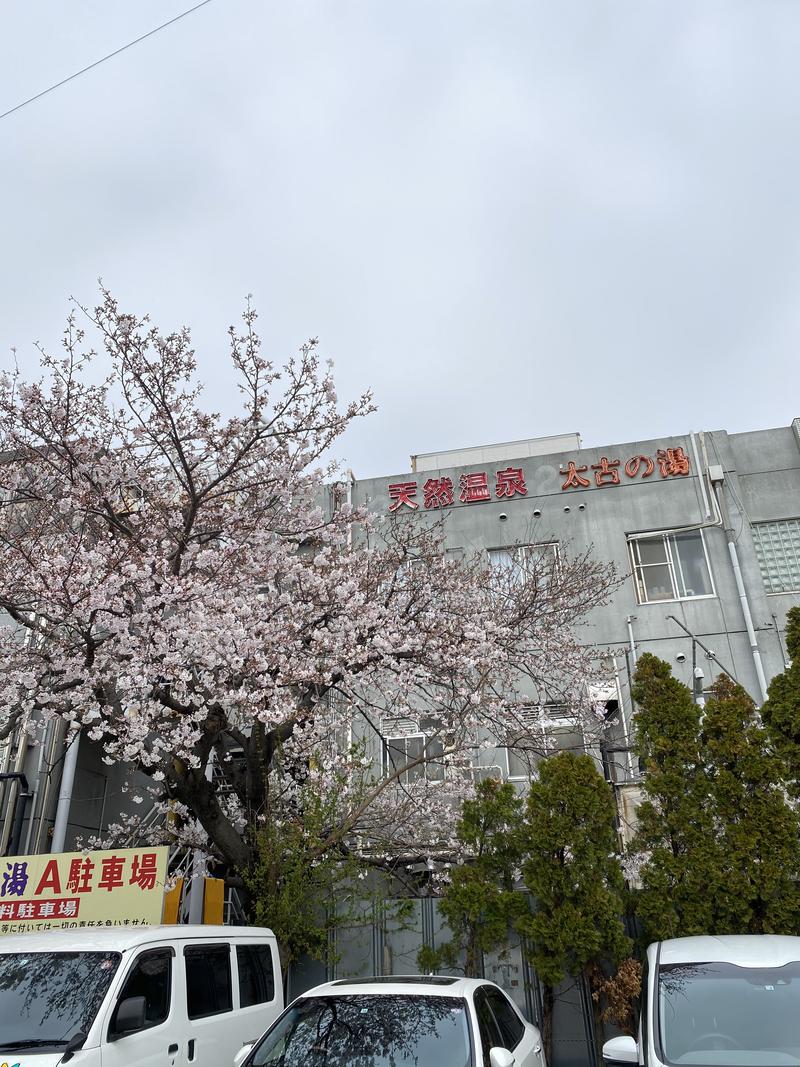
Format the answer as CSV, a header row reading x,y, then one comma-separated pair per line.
x,y
158,996
729,1001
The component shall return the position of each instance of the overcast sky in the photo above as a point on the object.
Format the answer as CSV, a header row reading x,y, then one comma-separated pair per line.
x,y
509,219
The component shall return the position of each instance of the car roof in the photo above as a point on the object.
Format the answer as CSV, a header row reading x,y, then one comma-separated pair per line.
x,y
408,984
744,950
122,938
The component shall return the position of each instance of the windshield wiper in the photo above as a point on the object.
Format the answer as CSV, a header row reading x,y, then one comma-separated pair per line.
x,y
35,1042
74,1043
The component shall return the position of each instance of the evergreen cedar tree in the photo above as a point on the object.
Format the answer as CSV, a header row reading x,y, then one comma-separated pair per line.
x,y
562,841
719,840
180,592
480,904
781,712
572,871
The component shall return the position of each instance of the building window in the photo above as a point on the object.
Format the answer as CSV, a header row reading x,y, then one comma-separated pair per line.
x,y
544,731
670,566
526,751
524,561
399,752
778,552
480,774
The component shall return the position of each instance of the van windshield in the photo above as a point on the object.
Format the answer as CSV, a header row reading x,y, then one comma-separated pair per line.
x,y
48,997
728,1016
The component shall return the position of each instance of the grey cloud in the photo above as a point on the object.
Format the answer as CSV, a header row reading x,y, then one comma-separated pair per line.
x,y
510,219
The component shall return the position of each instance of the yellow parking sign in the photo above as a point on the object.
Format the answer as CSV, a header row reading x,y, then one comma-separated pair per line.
x,y
112,887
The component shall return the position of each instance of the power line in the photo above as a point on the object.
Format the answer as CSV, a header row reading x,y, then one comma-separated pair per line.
x,y
110,55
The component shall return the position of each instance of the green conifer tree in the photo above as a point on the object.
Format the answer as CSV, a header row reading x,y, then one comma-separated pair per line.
x,y
480,905
573,873
757,830
681,873
781,712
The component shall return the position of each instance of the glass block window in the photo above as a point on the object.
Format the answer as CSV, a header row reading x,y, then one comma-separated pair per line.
x,y
778,551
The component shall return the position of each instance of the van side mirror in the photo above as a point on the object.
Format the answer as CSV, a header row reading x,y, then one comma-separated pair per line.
x,y
129,1016
620,1050
501,1057
242,1054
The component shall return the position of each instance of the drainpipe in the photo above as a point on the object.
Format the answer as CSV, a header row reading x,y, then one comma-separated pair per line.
x,y
197,891
65,793
700,476
8,746
15,778
20,803
56,741
717,476
630,621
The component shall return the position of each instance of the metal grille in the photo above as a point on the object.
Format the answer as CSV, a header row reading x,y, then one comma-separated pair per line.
x,y
778,551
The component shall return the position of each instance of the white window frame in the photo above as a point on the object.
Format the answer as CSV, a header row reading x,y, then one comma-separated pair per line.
x,y
347,728
564,729
476,769
521,553
672,565
553,720
390,768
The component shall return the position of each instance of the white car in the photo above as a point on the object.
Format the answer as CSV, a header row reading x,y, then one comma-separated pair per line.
x,y
399,1022
717,1002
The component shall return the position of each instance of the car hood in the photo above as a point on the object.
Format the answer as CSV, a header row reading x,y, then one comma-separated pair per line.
x,y
26,1057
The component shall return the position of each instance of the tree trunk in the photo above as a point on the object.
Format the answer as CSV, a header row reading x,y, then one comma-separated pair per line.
x,y
598,1027
548,1001
194,790
471,954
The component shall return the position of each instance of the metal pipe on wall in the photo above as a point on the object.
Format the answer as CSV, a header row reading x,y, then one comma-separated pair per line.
x,y
56,741
740,586
14,788
631,641
65,793
700,475
8,748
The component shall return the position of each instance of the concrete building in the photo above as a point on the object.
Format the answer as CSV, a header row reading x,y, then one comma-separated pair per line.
x,y
705,528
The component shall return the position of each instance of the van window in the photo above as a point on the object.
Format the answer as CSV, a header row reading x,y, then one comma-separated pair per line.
x,y
208,980
256,977
150,978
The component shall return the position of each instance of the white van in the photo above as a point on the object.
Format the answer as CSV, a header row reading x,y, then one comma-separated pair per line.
x,y
158,996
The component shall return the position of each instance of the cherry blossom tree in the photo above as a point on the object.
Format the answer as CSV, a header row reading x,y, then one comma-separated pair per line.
x,y
185,584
